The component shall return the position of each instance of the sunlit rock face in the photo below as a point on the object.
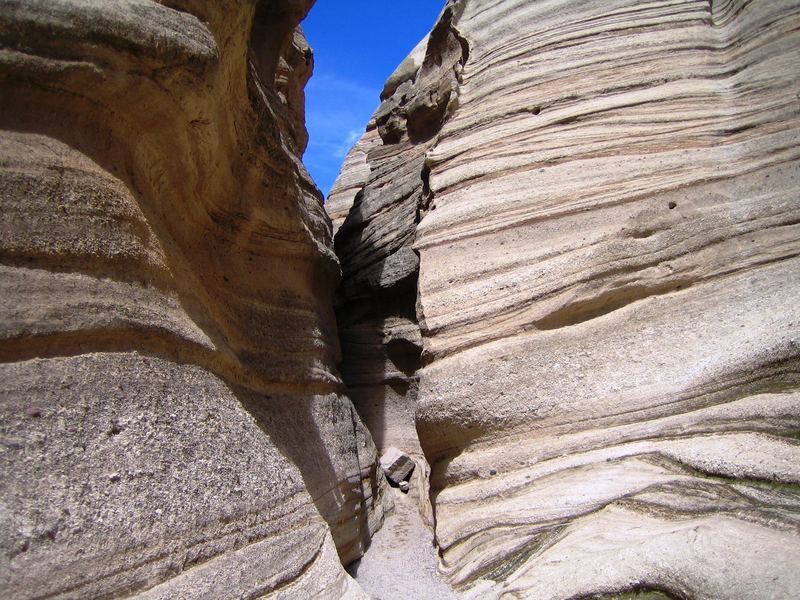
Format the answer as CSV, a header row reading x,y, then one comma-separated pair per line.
x,y
173,423
608,270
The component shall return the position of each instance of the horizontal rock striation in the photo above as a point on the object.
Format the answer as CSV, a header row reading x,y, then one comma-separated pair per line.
x,y
383,191
609,261
173,421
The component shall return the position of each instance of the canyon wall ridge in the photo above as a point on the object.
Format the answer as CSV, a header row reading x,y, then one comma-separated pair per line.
x,y
589,211
173,421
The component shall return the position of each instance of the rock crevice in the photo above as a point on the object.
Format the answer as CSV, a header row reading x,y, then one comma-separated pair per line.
x,y
377,306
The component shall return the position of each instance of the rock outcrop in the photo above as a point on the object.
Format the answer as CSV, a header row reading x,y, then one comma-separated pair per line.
x,y
173,422
384,183
586,215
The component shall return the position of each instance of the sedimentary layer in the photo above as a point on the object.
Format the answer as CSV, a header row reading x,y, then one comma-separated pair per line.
x,y
173,420
375,205
609,261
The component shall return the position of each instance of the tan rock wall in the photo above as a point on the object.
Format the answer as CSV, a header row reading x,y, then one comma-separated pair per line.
x,y
172,415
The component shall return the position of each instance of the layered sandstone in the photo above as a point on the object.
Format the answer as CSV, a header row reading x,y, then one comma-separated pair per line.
x,y
384,193
173,421
595,205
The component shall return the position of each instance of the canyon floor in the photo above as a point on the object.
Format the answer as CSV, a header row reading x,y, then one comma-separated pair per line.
x,y
401,560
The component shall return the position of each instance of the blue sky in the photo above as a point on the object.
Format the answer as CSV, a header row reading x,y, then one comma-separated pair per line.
x,y
357,44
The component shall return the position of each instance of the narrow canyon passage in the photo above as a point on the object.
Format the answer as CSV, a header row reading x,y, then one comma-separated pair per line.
x,y
559,270
375,205
402,562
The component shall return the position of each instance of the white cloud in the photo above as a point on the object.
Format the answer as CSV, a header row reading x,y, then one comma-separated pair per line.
x,y
337,110
327,83
344,147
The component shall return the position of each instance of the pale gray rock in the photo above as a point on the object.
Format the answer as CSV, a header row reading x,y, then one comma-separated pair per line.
x,y
353,176
606,295
406,70
396,465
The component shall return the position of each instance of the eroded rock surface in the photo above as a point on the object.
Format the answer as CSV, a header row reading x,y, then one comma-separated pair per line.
x,y
384,183
603,201
173,423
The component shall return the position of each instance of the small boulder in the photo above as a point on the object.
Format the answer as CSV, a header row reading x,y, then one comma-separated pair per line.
x,y
404,487
397,465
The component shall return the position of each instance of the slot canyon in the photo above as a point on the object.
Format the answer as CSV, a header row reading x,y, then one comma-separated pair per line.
x,y
560,270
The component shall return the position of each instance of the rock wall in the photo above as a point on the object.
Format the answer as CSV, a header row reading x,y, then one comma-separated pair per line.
x,y
383,191
595,204
173,422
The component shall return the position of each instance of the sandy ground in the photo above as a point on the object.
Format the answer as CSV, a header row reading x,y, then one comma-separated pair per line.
x,y
401,561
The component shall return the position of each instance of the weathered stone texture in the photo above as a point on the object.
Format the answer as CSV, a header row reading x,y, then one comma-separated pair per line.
x,y
383,191
606,292
172,416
